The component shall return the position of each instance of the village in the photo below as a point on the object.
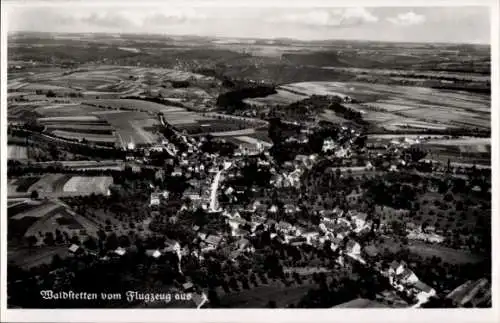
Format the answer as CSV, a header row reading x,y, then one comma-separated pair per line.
x,y
210,175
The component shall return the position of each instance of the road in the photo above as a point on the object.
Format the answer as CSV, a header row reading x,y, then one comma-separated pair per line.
x,y
215,186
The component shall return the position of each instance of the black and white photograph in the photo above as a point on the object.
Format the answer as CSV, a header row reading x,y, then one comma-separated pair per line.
x,y
231,156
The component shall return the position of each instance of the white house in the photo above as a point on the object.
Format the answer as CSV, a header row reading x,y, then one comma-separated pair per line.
x,y
155,199
120,251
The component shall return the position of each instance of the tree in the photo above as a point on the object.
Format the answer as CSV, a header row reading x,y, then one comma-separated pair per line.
x,y
49,239
51,94
31,241
34,195
213,298
90,243
271,304
56,261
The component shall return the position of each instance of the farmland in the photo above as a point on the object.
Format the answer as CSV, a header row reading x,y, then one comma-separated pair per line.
x,y
131,126
398,107
66,110
28,258
282,98
55,185
17,152
34,218
88,185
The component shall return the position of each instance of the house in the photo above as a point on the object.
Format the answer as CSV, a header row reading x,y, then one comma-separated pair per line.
x,y
423,289
74,249
284,226
177,172
229,191
155,199
310,236
160,174
407,277
273,209
354,197
328,145
172,246
338,212
236,224
213,240
335,243
297,241
359,219
188,286
371,251
400,274
155,253
199,299
290,209
353,248
120,251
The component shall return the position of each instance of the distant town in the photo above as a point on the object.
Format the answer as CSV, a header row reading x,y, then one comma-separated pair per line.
x,y
242,180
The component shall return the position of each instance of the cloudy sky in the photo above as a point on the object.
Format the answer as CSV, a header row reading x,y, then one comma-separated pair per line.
x,y
418,24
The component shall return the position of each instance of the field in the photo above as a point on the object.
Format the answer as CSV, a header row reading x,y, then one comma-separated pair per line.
x,y
49,183
282,98
34,218
463,145
253,141
130,126
17,152
449,255
84,136
88,185
28,258
211,126
95,123
66,110
130,104
22,112
259,297
394,107
55,185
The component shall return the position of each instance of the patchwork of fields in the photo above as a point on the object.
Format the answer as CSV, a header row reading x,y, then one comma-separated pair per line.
x,y
396,107
35,218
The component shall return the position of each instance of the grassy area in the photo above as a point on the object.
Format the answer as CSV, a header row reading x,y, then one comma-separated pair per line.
x,y
259,297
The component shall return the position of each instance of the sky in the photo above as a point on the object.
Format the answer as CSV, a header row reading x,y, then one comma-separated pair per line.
x,y
410,24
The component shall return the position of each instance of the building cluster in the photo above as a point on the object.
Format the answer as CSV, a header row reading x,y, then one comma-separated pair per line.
x,y
404,280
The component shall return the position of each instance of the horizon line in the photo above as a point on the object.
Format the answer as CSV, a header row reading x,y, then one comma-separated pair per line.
x,y
248,37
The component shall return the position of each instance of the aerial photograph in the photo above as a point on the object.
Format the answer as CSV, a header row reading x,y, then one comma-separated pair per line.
x,y
248,157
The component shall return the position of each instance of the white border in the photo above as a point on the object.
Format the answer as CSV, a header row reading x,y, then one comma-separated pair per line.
x,y
262,315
